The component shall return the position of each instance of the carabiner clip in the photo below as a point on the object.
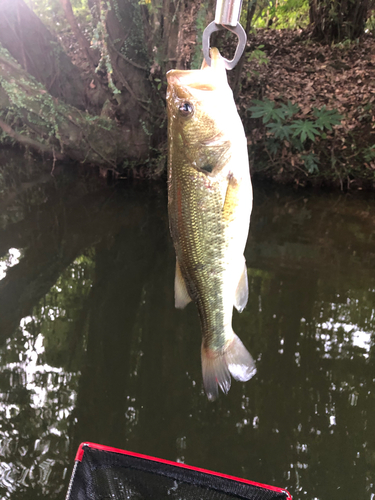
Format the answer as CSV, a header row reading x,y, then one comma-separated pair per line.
x,y
238,31
227,16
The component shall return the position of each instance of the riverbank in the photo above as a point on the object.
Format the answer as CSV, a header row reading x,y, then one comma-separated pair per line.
x,y
307,109
283,66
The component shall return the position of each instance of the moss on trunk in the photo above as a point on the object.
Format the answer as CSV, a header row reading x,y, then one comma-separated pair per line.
x,y
35,119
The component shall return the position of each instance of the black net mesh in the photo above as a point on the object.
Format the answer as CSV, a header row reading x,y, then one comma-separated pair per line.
x,y
116,476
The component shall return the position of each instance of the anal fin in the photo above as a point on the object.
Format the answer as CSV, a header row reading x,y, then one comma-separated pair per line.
x,y
181,295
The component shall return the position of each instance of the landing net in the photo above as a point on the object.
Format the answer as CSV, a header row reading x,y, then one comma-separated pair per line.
x,y
103,473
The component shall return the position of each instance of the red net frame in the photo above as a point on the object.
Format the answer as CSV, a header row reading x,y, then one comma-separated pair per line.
x,y
95,463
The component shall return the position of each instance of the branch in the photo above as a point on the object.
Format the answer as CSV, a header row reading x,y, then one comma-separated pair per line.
x,y
26,141
82,40
11,64
124,57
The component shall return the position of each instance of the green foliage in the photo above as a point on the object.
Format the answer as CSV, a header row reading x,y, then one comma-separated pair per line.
x,y
27,95
304,129
52,15
369,154
370,24
267,110
311,162
326,118
285,128
30,107
344,44
365,112
339,21
282,14
258,56
279,130
200,26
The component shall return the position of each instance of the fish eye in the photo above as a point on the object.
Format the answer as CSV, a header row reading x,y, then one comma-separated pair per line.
x,y
186,109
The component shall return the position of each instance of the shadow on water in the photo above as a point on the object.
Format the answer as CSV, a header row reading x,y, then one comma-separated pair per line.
x,y
92,348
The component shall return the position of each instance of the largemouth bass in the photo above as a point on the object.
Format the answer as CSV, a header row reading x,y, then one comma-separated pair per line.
x,y
209,207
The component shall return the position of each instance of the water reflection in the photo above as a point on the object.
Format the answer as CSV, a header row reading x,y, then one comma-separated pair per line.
x,y
93,349
36,402
9,260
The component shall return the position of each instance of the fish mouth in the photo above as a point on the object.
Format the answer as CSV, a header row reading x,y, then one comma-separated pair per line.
x,y
186,83
206,79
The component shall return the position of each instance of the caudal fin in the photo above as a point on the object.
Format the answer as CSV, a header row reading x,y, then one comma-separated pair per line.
x,y
218,368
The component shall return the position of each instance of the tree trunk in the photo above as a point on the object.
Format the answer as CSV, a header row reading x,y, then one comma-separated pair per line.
x,y
172,31
187,34
54,128
139,104
138,43
337,20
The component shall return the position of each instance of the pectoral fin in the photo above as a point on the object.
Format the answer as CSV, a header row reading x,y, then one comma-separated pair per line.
x,y
231,200
242,291
181,295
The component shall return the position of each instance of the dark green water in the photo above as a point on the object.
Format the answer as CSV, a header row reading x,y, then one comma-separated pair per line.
x,y
92,348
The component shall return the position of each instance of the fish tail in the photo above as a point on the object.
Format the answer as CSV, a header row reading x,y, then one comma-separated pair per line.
x,y
218,368
215,373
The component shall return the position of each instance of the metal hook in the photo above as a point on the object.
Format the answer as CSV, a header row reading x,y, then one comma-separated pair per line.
x,y
227,16
237,30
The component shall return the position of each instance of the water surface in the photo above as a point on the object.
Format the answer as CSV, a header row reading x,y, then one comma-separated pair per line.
x,y
92,348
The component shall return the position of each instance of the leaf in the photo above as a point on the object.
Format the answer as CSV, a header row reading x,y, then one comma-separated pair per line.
x,y
273,146
311,162
267,110
305,129
290,109
279,130
326,118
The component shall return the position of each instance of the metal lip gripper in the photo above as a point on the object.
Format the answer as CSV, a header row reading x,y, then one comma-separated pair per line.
x,y
227,16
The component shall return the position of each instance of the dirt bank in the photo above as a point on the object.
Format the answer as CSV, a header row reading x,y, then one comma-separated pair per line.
x,y
292,67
